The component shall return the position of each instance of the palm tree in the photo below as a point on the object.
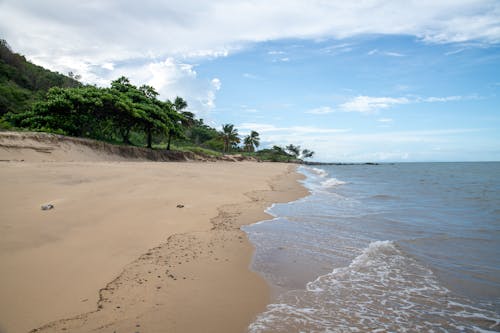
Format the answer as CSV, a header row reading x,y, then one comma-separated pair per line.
x,y
306,153
294,150
229,136
178,106
251,141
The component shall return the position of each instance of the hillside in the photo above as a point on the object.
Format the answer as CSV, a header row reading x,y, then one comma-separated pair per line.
x,y
22,82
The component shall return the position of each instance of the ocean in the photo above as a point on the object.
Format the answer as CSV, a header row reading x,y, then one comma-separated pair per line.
x,y
406,247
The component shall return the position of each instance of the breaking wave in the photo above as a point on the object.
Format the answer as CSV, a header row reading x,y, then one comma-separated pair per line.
x,y
332,182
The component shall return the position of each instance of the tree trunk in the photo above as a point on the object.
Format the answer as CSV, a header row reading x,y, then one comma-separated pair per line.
x,y
150,138
126,136
169,139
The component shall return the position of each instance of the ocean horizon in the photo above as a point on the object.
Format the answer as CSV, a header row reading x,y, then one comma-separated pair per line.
x,y
382,247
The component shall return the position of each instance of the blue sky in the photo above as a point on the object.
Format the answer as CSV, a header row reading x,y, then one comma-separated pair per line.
x,y
374,81
367,98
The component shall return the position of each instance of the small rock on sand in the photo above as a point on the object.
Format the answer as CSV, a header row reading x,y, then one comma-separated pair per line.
x,y
47,207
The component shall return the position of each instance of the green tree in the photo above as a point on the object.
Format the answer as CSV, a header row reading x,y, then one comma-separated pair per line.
x,y
306,153
155,117
251,141
121,109
293,150
275,154
179,118
199,132
229,136
144,109
72,111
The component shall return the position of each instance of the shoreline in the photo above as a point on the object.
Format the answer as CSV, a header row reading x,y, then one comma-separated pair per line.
x,y
202,271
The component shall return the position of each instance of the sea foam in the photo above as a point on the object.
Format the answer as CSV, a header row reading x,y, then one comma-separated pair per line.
x,y
332,182
315,171
382,288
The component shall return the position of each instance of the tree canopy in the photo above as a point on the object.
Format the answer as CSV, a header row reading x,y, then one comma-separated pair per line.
x,y
102,113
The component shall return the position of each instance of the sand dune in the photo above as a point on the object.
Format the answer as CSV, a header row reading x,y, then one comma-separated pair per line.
x,y
116,253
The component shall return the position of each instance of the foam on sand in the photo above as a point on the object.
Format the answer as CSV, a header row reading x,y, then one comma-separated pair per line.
x,y
382,288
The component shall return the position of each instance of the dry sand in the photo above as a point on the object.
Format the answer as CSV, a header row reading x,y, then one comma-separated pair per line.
x,y
116,254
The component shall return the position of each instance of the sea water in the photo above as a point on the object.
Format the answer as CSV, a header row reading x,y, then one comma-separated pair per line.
x,y
410,247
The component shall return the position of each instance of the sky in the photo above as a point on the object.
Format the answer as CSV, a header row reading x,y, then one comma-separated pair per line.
x,y
354,81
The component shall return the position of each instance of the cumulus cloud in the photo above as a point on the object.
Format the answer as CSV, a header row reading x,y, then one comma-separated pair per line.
x,y
97,39
172,78
114,30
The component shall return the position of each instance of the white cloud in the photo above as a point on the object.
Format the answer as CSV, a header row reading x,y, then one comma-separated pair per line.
x,y
386,53
251,76
114,30
209,101
172,78
290,131
454,52
109,66
284,59
442,99
370,104
337,48
274,52
349,146
206,54
394,54
385,120
216,83
99,39
321,110
367,104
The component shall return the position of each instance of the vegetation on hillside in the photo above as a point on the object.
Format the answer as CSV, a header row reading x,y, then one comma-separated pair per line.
x,y
22,83
37,99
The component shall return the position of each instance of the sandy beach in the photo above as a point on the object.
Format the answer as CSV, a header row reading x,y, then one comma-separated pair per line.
x,y
132,246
